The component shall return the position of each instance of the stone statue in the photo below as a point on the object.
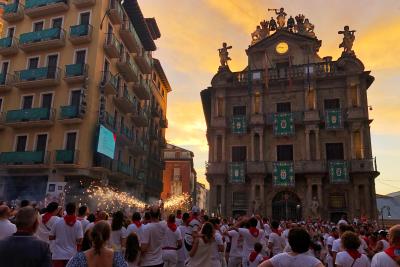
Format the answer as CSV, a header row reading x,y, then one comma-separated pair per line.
x,y
290,24
281,17
348,40
264,28
272,24
300,23
256,35
224,54
314,206
309,28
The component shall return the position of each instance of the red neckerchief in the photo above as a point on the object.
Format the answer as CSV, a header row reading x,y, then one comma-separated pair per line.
x,y
70,220
137,223
276,231
191,219
336,235
46,217
172,226
179,216
390,253
254,231
253,256
354,253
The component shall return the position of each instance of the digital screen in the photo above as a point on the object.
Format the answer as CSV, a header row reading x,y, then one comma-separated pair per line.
x,y
106,144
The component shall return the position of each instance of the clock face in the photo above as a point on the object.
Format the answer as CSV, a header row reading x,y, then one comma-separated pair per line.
x,y
282,48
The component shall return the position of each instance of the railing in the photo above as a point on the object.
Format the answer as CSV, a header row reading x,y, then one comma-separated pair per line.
x,y
111,40
109,78
126,58
66,156
37,74
8,42
115,5
126,132
124,168
11,8
6,79
80,30
127,26
69,112
29,4
109,121
41,36
73,70
33,114
23,157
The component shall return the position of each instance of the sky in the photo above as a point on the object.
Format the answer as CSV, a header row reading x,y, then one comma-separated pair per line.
x,y
193,30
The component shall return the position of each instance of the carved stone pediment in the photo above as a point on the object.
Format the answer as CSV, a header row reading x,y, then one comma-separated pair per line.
x,y
350,64
223,77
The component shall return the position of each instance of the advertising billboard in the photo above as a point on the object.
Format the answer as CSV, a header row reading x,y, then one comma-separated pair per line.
x,y
106,143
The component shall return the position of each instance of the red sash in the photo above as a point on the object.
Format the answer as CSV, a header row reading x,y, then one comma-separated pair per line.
x,y
253,256
46,217
390,253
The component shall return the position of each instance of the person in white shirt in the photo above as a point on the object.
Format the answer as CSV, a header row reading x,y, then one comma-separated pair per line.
x,y
276,243
178,218
136,226
6,227
182,254
100,216
118,232
343,220
329,243
171,243
217,256
250,236
299,241
193,228
47,222
337,244
67,234
151,240
255,257
351,257
236,252
382,244
83,211
391,256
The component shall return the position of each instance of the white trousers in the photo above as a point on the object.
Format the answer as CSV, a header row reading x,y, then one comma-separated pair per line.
x,y
170,257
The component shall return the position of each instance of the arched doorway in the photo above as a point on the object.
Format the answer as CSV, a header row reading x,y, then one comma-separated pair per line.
x,y
286,205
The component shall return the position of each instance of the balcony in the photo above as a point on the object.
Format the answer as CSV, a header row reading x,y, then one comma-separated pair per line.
x,y
71,114
310,166
218,122
140,118
101,163
8,46
115,12
109,83
39,8
216,168
111,46
13,12
39,77
125,135
66,158
42,40
76,73
83,3
144,61
122,168
257,119
363,165
6,82
129,36
128,69
256,167
357,113
125,101
80,34
311,116
29,117
110,122
142,90
137,147
24,159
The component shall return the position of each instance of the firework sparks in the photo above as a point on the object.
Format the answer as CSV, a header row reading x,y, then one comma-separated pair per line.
x,y
177,202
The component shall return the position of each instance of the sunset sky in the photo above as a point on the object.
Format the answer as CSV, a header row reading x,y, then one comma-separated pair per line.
x,y
193,30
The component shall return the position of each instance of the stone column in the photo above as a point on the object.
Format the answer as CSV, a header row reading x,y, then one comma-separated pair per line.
x,y
261,143
362,142
308,156
252,147
308,198
367,197
223,148
353,151
356,200
317,145
215,148
320,197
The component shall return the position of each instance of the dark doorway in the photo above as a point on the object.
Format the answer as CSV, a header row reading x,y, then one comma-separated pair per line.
x,y
332,103
283,107
286,205
284,153
71,141
38,26
239,111
41,142
57,23
239,153
336,216
80,57
46,100
334,151
76,98
33,63
27,102
52,66
21,143
85,18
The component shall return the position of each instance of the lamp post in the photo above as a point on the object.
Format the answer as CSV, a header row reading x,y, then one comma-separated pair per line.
x,y
298,211
381,212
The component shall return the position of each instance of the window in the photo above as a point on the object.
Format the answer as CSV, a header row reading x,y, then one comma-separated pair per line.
x,y
239,153
257,103
256,76
334,151
70,141
284,153
1,104
27,101
38,26
354,95
11,32
283,107
57,23
21,143
337,201
239,111
4,67
75,99
84,18
80,57
239,200
33,63
52,61
177,173
41,142
47,99
332,103
282,69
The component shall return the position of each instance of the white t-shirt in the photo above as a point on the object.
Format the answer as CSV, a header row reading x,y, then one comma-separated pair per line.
x,y
6,228
382,259
132,228
43,230
115,238
84,223
385,244
64,247
267,230
249,240
171,238
337,245
182,255
215,257
256,262
178,221
153,235
193,226
236,244
345,260
287,260
285,234
278,243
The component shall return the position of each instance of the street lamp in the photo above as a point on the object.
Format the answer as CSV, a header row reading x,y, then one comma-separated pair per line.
x,y
381,212
298,211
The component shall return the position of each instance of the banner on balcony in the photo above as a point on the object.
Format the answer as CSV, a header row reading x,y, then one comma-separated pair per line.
x,y
338,172
333,119
283,174
237,173
239,125
283,124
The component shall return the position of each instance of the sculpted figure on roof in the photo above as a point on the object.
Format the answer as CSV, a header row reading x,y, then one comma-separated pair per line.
x,y
348,40
224,54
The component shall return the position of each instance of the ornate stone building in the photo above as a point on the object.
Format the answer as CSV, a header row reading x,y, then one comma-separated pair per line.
x,y
289,136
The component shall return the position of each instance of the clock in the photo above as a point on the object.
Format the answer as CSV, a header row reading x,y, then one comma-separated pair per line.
x,y
282,48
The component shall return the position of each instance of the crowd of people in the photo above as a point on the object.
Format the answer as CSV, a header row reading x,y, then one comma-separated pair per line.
x,y
74,237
